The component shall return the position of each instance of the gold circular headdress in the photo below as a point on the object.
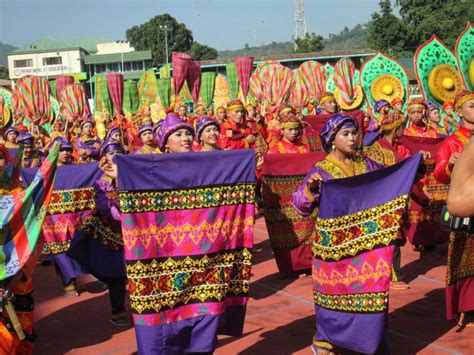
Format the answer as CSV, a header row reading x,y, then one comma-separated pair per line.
x,y
444,82
387,87
357,102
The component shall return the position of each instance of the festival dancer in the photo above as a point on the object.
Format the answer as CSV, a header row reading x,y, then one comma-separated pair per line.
x,y
207,134
460,273
147,138
449,120
87,145
220,114
328,103
234,133
291,132
10,136
339,139
98,246
67,268
30,157
417,117
175,135
434,119
397,105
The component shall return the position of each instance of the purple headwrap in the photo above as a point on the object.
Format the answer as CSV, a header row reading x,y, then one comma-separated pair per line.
x,y
25,138
333,125
65,144
430,106
83,122
8,130
203,123
144,128
112,131
111,146
379,104
171,124
157,126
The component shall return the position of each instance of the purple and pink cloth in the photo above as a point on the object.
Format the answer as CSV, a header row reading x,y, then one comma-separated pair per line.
x,y
187,226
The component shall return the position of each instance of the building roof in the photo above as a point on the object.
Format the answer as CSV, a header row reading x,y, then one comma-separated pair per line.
x,y
366,52
117,57
129,75
51,44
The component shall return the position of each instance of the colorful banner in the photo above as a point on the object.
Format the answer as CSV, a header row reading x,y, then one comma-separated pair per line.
x,y
290,234
358,222
72,201
21,219
422,225
188,240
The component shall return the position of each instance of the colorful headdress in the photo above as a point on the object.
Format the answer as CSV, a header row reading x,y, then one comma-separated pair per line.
x,y
235,105
111,146
463,97
203,123
112,131
145,128
171,124
157,126
395,101
418,102
25,138
382,77
83,122
8,130
286,110
200,108
219,109
289,121
380,104
448,104
65,144
333,125
392,120
326,96
430,106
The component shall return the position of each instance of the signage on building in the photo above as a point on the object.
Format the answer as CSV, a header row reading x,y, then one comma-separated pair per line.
x,y
42,70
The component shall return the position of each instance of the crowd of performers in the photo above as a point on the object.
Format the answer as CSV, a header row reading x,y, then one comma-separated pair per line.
x,y
241,127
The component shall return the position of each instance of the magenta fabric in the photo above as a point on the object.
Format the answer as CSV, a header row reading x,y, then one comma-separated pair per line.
x,y
193,78
115,86
179,63
244,67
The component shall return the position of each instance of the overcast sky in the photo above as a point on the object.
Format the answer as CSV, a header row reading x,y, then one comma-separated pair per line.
x,y
222,24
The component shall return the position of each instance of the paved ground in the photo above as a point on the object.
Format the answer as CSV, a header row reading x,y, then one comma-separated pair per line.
x,y
280,316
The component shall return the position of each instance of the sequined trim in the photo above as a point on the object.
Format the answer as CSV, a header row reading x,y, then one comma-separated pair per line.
x,y
357,303
70,201
341,237
159,284
135,202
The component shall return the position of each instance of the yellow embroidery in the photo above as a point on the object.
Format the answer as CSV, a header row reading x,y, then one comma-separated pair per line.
x,y
339,170
164,284
345,236
162,234
367,272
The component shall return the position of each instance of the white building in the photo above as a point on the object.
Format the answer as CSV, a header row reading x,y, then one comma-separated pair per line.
x,y
49,57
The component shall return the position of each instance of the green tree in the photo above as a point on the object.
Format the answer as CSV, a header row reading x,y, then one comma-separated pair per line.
x,y
3,72
202,52
386,32
445,18
151,35
309,43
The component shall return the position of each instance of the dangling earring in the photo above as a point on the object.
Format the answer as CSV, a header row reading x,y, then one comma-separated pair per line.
x,y
333,146
167,150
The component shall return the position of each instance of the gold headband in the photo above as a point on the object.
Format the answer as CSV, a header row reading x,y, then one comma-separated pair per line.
x,y
393,125
290,125
326,98
235,107
461,101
